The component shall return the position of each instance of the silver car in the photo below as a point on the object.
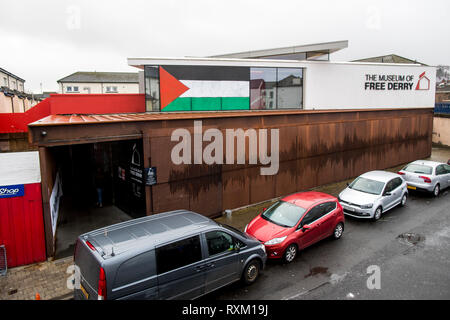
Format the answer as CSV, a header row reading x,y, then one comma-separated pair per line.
x,y
372,194
427,176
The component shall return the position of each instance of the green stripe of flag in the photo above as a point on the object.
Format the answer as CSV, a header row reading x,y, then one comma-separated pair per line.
x,y
208,104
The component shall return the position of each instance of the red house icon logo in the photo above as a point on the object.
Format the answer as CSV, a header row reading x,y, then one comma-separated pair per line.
x,y
423,83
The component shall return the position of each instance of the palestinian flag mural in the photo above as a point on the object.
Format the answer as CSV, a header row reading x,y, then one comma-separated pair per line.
x,y
201,88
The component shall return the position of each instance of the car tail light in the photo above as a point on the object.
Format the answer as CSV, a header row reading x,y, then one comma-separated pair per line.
x,y
401,173
90,245
102,285
425,179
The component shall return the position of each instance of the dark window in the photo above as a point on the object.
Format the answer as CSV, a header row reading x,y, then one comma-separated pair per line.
x,y
178,254
328,207
390,186
440,170
135,269
152,101
219,242
397,183
447,168
313,214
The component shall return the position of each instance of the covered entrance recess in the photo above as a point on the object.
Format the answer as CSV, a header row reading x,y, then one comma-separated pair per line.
x,y
97,189
93,185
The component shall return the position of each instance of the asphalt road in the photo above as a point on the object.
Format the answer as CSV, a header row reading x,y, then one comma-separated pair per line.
x,y
413,266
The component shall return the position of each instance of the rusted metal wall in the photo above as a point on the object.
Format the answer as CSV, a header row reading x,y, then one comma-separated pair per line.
x,y
316,148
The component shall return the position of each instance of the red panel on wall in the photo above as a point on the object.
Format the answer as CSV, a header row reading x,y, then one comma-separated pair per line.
x,y
22,227
72,104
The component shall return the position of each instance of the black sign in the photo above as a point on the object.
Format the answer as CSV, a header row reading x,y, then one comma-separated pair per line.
x,y
150,176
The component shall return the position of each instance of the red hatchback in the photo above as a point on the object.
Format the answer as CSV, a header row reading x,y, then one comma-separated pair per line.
x,y
296,222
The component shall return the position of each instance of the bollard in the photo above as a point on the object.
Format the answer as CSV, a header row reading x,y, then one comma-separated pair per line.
x,y
228,213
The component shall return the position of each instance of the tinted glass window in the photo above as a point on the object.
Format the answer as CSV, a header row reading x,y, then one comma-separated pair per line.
x,y
447,168
418,168
397,183
219,242
328,207
440,170
389,186
367,185
289,88
284,214
151,75
263,88
178,254
312,215
135,269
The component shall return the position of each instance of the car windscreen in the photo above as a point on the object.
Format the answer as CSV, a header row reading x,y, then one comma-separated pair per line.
x,y
367,185
284,214
418,168
239,232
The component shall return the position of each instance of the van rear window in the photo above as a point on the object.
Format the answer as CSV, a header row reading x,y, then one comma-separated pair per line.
x,y
178,254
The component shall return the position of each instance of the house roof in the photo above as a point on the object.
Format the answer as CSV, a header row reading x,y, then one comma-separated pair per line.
x,y
102,77
390,58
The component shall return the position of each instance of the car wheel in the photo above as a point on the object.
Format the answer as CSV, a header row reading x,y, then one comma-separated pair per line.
x,y
290,253
377,214
338,231
403,201
436,190
251,272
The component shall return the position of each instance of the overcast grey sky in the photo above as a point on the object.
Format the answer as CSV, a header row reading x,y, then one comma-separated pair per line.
x,y
43,41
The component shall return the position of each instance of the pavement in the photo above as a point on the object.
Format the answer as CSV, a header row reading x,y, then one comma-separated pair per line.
x,y
318,269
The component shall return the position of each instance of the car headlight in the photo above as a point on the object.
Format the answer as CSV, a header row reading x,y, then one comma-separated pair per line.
x,y
275,241
263,247
367,206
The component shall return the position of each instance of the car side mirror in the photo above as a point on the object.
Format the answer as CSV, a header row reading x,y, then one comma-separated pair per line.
x,y
306,227
348,184
388,194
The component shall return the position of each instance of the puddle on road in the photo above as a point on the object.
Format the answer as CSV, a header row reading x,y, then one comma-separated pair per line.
x,y
411,238
317,270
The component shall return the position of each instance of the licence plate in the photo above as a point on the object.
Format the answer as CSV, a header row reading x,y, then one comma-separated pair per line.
x,y
84,291
412,188
350,209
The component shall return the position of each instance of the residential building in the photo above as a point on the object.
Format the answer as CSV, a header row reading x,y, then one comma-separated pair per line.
x,y
100,82
11,81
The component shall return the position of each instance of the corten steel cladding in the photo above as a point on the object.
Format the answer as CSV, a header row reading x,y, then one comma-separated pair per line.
x,y
315,148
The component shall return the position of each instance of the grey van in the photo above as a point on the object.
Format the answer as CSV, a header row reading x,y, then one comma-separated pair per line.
x,y
172,255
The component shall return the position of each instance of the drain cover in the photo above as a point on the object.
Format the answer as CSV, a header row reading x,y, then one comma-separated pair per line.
x,y
412,238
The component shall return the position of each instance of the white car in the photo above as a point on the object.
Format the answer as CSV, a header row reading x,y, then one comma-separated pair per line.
x,y
427,176
372,194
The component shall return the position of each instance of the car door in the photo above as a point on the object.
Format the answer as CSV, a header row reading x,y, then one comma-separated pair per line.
x,y
397,191
222,265
442,176
180,269
447,174
388,198
309,236
328,218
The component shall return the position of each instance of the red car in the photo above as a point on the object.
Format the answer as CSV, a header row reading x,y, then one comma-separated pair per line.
x,y
296,222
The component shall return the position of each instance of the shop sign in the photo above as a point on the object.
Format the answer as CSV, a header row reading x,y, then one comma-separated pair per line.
x,y
12,191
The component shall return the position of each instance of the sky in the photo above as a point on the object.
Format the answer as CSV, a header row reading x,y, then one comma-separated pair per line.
x,y
43,41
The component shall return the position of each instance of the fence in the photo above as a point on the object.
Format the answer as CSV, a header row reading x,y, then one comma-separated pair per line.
x,y
442,108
